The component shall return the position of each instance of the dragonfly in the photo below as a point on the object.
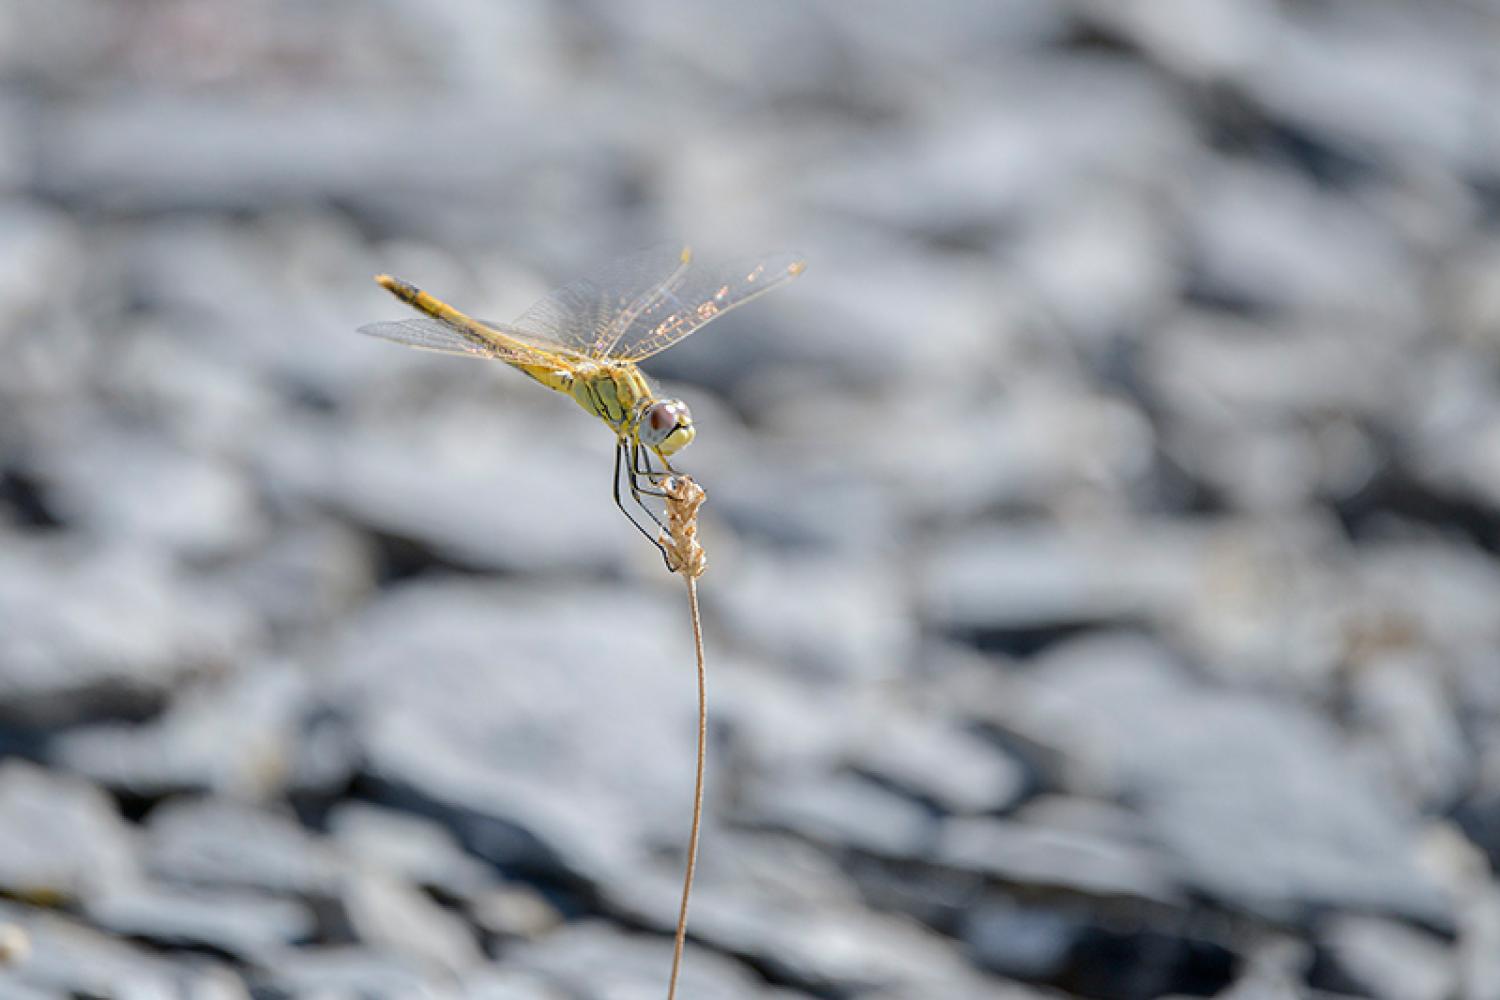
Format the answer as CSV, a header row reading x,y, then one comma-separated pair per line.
x,y
586,338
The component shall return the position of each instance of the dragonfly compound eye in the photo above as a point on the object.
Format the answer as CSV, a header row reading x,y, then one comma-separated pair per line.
x,y
666,426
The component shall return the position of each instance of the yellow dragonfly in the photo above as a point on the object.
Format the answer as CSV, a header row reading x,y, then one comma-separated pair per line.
x,y
585,339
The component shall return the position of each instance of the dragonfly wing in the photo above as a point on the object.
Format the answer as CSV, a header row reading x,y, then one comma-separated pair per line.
x,y
428,334
586,316
698,296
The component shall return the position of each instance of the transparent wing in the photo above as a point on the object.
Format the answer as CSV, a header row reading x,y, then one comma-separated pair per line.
x,y
697,296
584,317
429,334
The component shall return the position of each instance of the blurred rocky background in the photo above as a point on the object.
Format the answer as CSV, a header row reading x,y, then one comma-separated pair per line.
x,y
1104,597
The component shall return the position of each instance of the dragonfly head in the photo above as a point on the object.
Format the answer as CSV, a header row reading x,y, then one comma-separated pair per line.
x,y
665,426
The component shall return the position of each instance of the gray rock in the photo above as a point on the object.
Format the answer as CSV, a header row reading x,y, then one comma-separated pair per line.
x,y
1058,860
595,961
63,839
1478,961
38,240
343,971
989,159
68,959
1012,584
305,576
1390,961
238,925
821,617
954,769
411,848
104,156
842,811
392,917
515,910
1305,827
1099,265
1269,238
549,730
1032,943
783,906
218,843
1389,81
1274,969
145,490
509,984
130,629
422,480
1189,39
1444,589
1221,371
1405,726
236,737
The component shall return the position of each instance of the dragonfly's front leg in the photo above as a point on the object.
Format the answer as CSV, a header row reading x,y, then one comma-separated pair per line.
x,y
640,468
637,491
620,503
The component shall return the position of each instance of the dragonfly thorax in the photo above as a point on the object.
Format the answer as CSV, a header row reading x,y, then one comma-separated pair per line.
x,y
613,391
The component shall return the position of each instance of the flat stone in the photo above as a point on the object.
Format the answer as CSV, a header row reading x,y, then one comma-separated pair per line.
x,y
509,984
1435,588
1189,40
68,959
1274,969
307,575
1017,582
784,906
64,840
988,160
514,910
1099,264
417,480
347,971
1382,82
1305,828
412,848
842,811
96,155
239,925
1389,961
1029,942
1269,238
1404,724
493,738
38,241
593,959
141,488
218,843
391,917
955,770
131,628
1478,961
1060,860
826,618
234,737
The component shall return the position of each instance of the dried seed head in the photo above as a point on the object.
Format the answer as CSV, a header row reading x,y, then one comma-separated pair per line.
x,y
684,554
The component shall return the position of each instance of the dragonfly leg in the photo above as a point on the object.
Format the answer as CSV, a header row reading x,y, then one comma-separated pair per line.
x,y
640,468
619,454
637,492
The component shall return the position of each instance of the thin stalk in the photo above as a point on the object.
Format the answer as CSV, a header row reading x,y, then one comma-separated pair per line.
x,y
692,853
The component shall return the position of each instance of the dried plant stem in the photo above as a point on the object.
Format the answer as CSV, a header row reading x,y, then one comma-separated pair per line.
x,y
692,854
685,556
